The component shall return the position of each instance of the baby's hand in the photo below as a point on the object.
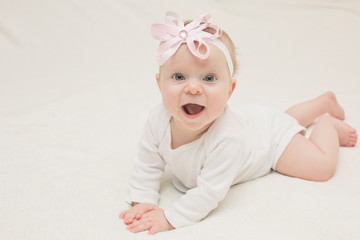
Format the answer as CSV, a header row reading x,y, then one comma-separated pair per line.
x,y
136,212
154,221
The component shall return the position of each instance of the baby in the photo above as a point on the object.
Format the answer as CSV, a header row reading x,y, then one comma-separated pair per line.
x,y
208,146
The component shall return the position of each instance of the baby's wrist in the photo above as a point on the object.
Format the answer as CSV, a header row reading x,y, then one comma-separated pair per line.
x,y
171,227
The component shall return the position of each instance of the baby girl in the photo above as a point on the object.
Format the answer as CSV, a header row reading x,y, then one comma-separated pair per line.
x,y
209,146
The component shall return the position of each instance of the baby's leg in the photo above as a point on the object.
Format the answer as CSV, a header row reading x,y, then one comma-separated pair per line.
x,y
306,112
316,158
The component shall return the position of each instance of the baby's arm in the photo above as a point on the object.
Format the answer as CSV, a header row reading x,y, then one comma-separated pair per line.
x,y
217,175
147,173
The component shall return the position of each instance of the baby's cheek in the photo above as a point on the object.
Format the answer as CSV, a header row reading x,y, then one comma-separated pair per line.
x,y
170,100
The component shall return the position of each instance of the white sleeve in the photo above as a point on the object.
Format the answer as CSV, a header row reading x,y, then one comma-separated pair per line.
x,y
144,184
213,183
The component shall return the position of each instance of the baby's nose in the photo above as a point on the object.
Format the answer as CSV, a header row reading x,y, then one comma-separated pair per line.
x,y
193,87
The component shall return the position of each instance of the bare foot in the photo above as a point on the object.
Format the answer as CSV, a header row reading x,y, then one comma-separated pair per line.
x,y
347,134
335,109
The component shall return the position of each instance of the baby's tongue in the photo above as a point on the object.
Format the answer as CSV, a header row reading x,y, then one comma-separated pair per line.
x,y
193,109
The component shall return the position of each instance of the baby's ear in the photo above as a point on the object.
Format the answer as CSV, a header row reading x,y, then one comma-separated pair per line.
x,y
232,87
157,76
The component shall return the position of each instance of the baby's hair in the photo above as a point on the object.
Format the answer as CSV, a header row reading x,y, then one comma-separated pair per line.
x,y
225,38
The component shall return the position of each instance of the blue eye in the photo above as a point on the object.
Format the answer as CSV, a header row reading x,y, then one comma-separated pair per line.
x,y
209,78
178,77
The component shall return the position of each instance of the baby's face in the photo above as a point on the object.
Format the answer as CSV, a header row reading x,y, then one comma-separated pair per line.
x,y
195,91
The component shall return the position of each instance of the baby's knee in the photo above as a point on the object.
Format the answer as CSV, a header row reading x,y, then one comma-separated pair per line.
x,y
325,176
326,170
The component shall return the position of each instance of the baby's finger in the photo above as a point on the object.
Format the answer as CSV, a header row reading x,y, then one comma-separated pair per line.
x,y
153,230
129,217
123,213
138,226
141,213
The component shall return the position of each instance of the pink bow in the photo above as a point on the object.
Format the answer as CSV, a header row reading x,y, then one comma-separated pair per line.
x,y
174,33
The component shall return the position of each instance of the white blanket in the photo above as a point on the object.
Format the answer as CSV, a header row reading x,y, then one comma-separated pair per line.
x,y
77,79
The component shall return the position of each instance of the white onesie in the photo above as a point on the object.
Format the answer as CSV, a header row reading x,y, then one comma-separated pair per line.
x,y
239,146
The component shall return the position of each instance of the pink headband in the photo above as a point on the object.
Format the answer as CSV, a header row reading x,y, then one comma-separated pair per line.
x,y
174,33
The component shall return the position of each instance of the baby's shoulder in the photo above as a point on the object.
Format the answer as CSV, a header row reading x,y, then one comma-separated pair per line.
x,y
158,120
227,129
159,114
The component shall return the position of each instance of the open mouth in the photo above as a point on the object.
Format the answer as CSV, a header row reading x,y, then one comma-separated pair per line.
x,y
192,109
